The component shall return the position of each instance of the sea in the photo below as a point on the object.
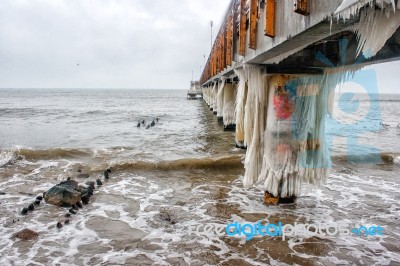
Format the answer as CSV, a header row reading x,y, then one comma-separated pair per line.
x,y
182,174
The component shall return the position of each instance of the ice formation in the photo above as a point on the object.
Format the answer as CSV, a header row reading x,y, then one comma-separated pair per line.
x,y
240,105
378,22
254,123
220,97
228,111
283,125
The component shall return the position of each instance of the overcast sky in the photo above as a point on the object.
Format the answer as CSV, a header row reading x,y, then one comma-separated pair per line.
x,y
117,43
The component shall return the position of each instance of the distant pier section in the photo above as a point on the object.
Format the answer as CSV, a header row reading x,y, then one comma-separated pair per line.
x,y
195,92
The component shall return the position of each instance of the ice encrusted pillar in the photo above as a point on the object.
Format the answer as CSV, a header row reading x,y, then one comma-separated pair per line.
x,y
241,97
228,111
213,97
286,137
220,98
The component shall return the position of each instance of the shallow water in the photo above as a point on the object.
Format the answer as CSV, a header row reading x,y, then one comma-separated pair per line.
x,y
182,172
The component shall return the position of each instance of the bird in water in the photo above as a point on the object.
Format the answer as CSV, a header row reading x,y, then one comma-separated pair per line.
x,y
153,123
148,126
143,122
138,124
157,119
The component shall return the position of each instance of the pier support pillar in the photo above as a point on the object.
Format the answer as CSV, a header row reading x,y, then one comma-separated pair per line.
x,y
220,99
229,106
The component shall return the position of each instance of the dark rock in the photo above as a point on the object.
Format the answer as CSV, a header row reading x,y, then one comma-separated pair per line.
x,y
31,207
108,170
85,199
66,221
24,211
138,124
90,184
75,207
79,204
64,194
72,211
98,182
39,198
106,176
37,202
68,178
83,176
67,215
26,234
2,193
59,225
79,170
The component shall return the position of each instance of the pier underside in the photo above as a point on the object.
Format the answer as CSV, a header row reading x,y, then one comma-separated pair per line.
x,y
277,92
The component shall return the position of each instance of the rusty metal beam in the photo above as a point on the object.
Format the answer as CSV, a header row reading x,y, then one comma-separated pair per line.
x,y
270,18
242,28
253,24
229,41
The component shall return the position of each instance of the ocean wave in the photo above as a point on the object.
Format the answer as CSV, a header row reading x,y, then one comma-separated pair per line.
x,y
228,162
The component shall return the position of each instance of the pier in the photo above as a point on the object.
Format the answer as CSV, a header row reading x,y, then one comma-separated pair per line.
x,y
271,73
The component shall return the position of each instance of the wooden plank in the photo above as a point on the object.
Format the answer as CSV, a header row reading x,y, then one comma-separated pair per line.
x,y
229,40
242,28
270,18
253,24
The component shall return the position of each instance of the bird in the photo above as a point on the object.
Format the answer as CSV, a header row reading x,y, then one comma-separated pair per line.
x,y
138,124
77,64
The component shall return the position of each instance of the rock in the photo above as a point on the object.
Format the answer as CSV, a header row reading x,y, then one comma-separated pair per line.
x,y
37,202
72,211
64,194
66,221
108,170
79,204
85,199
83,176
98,182
26,234
67,215
31,207
79,170
59,225
2,193
24,211
90,184
106,176
75,207
39,198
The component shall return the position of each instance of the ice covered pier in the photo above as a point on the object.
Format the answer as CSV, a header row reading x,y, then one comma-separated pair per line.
x,y
271,72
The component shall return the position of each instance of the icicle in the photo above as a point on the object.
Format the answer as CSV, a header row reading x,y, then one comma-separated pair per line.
x,y
374,29
240,106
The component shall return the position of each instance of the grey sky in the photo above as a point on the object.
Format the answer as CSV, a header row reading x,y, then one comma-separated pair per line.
x,y
117,43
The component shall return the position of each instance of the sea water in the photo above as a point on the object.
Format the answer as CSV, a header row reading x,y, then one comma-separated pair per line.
x,y
182,172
